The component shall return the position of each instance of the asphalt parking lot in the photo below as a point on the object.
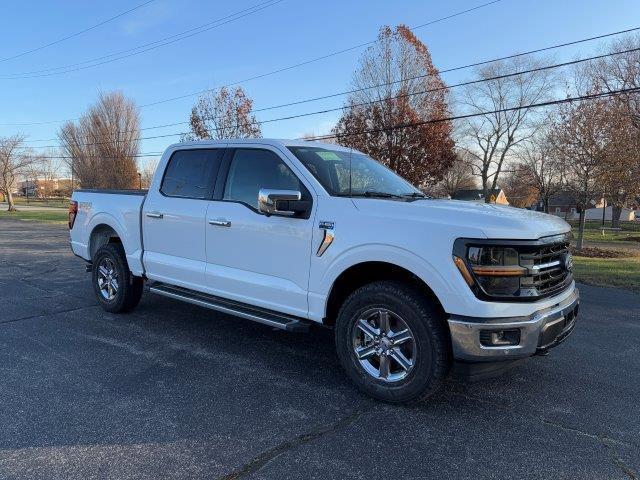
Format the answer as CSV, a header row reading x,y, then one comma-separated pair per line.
x,y
175,391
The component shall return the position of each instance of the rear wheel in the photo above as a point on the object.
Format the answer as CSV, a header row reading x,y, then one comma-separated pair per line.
x,y
392,342
116,288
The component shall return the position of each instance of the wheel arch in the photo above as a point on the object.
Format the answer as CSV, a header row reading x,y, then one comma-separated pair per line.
x,y
365,272
100,235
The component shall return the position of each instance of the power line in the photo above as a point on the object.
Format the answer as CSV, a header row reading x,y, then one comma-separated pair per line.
x,y
431,121
471,115
145,47
403,95
60,40
317,59
347,92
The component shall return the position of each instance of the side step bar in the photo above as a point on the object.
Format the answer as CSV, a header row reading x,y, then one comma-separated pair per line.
x,y
256,314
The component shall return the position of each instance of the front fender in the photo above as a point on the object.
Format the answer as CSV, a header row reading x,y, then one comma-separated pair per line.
x,y
435,276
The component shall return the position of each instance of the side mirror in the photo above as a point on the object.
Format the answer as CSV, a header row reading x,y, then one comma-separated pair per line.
x,y
279,202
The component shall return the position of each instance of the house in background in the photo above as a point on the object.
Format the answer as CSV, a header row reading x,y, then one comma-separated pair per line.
x,y
564,204
477,195
595,213
44,188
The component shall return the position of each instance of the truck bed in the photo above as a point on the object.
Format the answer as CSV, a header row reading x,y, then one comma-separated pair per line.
x,y
118,210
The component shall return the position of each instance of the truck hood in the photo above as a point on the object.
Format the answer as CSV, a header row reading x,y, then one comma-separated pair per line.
x,y
495,221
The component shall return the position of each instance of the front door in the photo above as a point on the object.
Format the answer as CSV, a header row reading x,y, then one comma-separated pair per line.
x,y
173,218
251,257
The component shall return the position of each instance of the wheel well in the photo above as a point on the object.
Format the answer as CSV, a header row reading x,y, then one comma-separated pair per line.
x,y
101,235
358,275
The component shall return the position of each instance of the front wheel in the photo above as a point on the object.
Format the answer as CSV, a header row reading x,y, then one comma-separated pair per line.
x,y
392,342
116,288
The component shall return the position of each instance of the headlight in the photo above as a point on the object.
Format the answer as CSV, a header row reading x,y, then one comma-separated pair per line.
x,y
497,270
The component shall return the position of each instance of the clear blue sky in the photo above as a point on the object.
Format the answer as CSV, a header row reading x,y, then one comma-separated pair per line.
x,y
278,36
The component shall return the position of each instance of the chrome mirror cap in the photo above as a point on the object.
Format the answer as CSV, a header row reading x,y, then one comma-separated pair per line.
x,y
268,201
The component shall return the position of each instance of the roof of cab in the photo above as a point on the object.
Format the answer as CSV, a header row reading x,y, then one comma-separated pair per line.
x,y
261,141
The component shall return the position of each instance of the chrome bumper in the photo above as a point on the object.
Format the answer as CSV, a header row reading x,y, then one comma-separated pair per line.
x,y
539,332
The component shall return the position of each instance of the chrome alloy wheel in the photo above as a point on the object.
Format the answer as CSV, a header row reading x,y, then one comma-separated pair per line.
x,y
384,345
107,279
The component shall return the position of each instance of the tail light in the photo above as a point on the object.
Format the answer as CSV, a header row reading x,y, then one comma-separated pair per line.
x,y
73,211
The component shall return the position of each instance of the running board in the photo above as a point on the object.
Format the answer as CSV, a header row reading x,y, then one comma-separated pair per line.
x,y
256,314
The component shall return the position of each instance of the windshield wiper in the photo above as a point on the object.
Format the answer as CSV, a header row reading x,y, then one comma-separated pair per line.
x,y
415,195
373,193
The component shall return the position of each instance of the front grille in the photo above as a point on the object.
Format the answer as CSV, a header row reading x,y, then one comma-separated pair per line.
x,y
549,270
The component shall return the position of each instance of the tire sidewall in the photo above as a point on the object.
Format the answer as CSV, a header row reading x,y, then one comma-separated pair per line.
x,y
393,298
112,252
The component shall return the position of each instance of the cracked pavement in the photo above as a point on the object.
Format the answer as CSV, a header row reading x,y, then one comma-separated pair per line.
x,y
175,391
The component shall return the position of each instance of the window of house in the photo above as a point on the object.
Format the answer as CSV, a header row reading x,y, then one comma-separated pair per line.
x,y
191,173
253,169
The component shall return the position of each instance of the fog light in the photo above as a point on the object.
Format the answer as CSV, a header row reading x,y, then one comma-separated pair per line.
x,y
499,338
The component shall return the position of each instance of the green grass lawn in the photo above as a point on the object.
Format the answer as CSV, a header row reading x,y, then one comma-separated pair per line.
x,y
39,202
593,231
608,272
56,217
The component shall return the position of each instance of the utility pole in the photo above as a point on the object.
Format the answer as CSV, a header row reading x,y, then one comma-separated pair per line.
x,y
140,180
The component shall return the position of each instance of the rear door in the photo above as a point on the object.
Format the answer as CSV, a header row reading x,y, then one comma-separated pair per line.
x,y
174,216
251,257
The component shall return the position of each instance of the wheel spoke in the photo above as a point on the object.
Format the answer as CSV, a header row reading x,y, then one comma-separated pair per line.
x,y
401,337
399,357
365,352
385,367
114,284
368,329
103,270
383,318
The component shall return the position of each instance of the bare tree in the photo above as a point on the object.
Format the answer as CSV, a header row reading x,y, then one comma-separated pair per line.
x,y
519,186
397,84
621,71
223,115
491,137
458,177
12,165
146,173
540,167
102,147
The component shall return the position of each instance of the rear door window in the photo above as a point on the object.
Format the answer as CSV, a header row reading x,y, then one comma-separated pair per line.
x,y
192,173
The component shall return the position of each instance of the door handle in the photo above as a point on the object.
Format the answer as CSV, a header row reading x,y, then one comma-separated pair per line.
x,y
220,223
154,215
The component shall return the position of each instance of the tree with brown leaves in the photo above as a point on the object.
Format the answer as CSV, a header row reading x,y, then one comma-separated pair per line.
x,y
223,115
397,85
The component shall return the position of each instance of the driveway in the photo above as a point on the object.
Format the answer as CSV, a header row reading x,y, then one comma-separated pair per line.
x,y
175,391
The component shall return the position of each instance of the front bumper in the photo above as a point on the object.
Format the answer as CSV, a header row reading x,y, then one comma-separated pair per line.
x,y
539,332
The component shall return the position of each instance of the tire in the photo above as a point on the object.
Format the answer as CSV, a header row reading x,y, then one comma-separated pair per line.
x,y
116,288
423,361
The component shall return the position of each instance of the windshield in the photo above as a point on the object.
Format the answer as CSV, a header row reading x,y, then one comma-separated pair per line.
x,y
345,173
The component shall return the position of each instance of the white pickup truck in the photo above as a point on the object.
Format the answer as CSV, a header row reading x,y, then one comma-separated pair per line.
x,y
292,233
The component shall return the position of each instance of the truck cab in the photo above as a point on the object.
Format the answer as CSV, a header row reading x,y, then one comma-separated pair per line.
x,y
295,233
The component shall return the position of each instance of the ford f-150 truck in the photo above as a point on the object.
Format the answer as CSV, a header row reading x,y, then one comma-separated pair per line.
x,y
292,233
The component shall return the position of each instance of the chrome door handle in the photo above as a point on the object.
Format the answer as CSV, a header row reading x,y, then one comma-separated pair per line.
x,y
154,215
220,223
